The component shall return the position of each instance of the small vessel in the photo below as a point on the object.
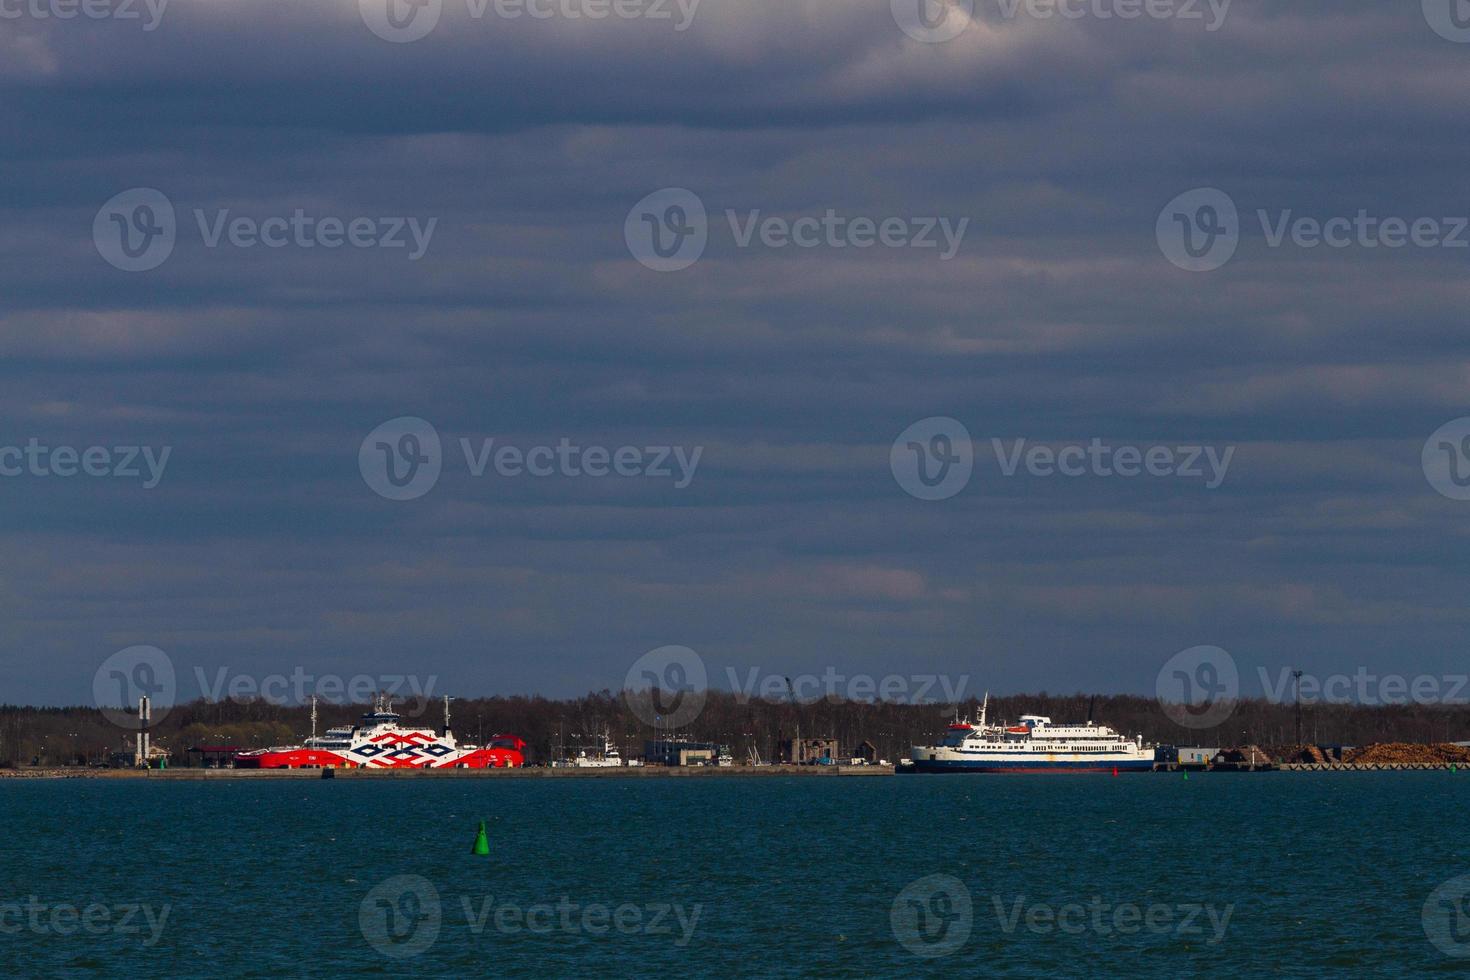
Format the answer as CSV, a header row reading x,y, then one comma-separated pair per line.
x,y
608,758
380,740
1033,745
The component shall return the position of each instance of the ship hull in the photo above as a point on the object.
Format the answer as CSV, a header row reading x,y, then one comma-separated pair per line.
x,y
1034,746
381,741
1026,766
304,758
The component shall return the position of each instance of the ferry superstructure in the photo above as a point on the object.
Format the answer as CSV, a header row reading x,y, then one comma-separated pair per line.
x,y
380,740
1034,745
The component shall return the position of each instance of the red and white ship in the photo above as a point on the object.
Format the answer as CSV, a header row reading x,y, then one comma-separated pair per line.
x,y
381,741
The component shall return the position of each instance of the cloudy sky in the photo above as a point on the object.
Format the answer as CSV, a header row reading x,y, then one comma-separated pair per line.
x,y
520,147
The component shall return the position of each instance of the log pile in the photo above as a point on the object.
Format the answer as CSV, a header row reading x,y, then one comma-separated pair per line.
x,y
1245,755
1298,753
1403,753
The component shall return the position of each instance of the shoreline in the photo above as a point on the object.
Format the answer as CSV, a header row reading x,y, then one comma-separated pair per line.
x,y
636,772
627,772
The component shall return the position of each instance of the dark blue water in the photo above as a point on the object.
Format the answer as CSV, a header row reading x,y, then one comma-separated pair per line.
x,y
1280,874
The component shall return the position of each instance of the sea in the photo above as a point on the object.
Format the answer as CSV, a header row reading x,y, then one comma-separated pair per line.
x,y
1274,874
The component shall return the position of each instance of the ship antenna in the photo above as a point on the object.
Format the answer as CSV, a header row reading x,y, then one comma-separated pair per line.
x,y
313,716
446,714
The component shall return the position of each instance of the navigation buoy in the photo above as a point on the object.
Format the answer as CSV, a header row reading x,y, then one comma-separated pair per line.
x,y
1115,770
482,841
1186,776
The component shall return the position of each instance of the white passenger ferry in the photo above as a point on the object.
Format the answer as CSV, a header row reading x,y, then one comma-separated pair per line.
x,y
1033,745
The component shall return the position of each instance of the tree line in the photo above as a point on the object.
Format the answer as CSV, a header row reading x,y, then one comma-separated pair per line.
x,y
750,726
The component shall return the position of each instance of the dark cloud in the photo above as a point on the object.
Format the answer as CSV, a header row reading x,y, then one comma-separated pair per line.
x,y
527,320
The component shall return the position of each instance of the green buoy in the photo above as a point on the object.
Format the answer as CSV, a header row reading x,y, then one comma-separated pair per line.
x,y
482,842
1186,776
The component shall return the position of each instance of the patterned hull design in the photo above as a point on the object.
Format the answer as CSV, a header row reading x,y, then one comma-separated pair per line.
x,y
380,741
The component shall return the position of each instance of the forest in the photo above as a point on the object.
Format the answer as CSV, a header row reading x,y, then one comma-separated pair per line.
x,y
83,736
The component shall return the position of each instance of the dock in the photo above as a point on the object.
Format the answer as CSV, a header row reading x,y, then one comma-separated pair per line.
x,y
1363,766
529,772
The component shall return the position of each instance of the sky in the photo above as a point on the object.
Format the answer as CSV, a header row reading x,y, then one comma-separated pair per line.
x,y
583,230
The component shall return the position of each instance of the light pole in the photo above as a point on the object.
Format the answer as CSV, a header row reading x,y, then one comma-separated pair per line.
x,y
1297,674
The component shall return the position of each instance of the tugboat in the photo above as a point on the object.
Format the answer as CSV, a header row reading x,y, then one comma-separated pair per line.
x,y
1034,745
381,741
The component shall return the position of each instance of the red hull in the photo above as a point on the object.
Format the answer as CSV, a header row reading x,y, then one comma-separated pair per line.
x,y
491,758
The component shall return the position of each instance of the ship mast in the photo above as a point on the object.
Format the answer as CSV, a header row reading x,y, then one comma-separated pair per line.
x,y
313,717
983,706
